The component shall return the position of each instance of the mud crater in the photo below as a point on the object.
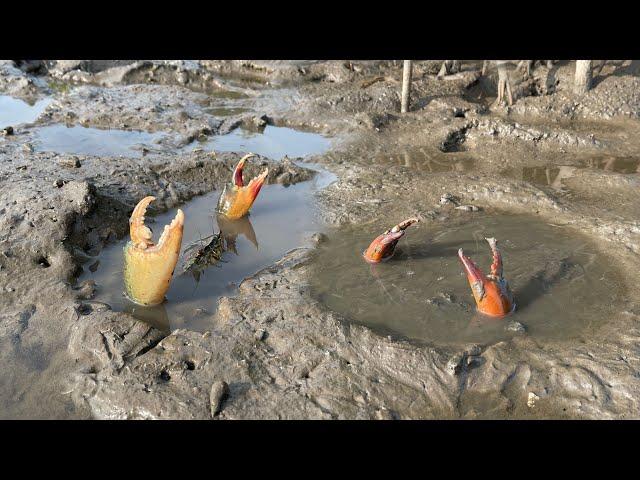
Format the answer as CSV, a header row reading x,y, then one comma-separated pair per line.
x,y
560,280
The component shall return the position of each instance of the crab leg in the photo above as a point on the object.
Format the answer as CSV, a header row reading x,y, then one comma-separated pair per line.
x,y
148,267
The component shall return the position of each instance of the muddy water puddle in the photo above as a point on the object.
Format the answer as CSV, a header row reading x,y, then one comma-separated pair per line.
x,y
14,111
94,141
226,103
272,142
281,219
224,110
553,175
427,160
564,287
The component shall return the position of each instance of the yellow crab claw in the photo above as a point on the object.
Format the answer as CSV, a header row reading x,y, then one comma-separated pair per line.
x,y
148,267
236,199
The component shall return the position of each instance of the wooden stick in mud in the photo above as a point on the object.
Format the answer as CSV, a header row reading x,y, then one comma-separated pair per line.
x,y
582,82
406,86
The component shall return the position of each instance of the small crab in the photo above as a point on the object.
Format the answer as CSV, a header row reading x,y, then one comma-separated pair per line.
x,y
202,254
236,199
491,292
148,267
384,246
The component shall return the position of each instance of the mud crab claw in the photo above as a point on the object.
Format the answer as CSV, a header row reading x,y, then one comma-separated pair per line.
x,y
491,292
148,267
384,246
236,199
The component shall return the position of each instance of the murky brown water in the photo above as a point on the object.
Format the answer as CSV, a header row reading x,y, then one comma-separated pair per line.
x,y
563,286
427,160
553,175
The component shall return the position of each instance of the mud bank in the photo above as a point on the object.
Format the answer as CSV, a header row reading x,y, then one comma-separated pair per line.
x,y
273,350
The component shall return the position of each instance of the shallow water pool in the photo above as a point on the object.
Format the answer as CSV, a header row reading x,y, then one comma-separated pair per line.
x,y
272,142
95,141
563,286
14,111
282,218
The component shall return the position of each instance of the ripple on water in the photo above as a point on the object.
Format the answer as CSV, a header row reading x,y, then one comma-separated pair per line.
x,y
563,286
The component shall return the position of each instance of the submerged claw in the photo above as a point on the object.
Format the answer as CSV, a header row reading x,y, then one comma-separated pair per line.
x,y
491,292
236,200
383,246
148,267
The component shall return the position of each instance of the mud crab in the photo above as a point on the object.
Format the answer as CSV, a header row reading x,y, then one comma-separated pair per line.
x,y
202,254
491,292
384,246
148,267
236,199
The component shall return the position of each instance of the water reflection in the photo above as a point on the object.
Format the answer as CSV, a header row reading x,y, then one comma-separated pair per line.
x,y
156,315
426,161
553,175
94,141
14,111
230,229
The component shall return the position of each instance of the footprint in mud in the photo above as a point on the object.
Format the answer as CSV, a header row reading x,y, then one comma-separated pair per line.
x,y
557,276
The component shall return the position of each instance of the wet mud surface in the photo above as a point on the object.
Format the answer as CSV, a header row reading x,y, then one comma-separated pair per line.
x,y
553,161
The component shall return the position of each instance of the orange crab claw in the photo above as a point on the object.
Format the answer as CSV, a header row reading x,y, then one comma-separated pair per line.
x,y
384,246
148,267
236,199
491,292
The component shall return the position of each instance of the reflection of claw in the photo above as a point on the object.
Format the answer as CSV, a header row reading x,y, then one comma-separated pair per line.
x,y
156,316
148,267
383,246
491,292
230,229
236,199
